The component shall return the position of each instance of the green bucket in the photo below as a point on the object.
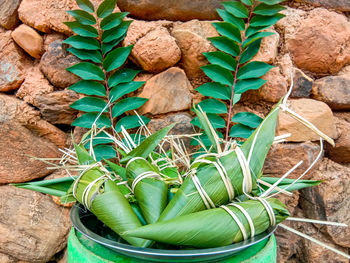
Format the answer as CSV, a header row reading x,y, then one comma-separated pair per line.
x,y
83,250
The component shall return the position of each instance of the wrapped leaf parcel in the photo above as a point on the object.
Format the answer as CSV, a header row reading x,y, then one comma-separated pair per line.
x,y
221,226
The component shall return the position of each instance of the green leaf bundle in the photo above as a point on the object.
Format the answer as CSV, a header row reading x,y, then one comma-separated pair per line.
x,y
214,227
188,200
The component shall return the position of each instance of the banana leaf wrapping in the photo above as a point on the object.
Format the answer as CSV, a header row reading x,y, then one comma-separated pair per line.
x,y
213,227
188,200
151,193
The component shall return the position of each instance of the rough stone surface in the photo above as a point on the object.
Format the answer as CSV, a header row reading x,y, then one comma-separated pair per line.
x,y
341,152
28,39
182,120
32,227
317,112
272,91
168,91
8,13
156,51
269,48
24,134
333,90
320,42
192,40
12,63
54,107
54,63
330,200
302,84
46,16
285,64
49,38
291,22
283,156
181,10
341,5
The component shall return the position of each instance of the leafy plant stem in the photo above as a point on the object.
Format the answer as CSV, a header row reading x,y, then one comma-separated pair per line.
x,y
235,74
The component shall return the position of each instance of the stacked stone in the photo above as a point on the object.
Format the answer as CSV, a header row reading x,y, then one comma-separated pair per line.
x,y
169,37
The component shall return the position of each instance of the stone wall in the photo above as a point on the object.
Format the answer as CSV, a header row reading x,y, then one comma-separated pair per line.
x,y
312,41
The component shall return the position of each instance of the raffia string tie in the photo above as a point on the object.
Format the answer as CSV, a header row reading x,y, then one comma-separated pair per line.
x,y
238,222
247,216
203,194
134,159
247,177
147,174
269,210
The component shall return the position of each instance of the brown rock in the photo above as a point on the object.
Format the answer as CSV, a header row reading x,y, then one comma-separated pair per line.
x,y
28,39
192,39
272,91
24,134
269,48
12,63
54,63
285,63
283,156
181,10
330,200
32,227
291,22
341,5
317,112
46,16
49,38
167,92
320,42
341,152
333,90
8,13
156,51
302,84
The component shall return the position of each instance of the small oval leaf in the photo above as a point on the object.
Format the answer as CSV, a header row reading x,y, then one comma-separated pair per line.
x,y
215,90
248,84
213,106
130,122
89,87
218,74
241,131
116,58
87,71
80,42
113,20
92,55
88,119
236,8
127,104
253,69
227,17
225,44
221,59
82,30
124,88
82,17
90,104
86,5
228,30
248,119
116,33
106,8
122,76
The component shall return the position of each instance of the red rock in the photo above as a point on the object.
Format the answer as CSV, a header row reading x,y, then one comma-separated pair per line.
x,y
341,5
320,42
8,13
28,39
317,112
192,40
269,48
168,91
341,152
333,90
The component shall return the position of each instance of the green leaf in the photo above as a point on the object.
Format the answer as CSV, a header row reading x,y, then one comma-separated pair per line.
x,y
215,90
265,20
113,20
104,152
227,17
82,30
252,30
236,8
250,51
267,10
127,104
241,131
116,33
86,5
130,122
89,88
236,98
228,30
253,69
82,154
272,2
213,106
218,74
90,104
247,2
248,84
106,8
247,118
118,170
205,139
92,55
221,59
100,138
216,121
87,71
256,36
106,47
82,17
116,58
122,76
148,145
82,42
225,44
124,88
87,120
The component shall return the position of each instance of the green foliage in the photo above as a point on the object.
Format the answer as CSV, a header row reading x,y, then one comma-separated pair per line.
x,y
105,81
230,69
